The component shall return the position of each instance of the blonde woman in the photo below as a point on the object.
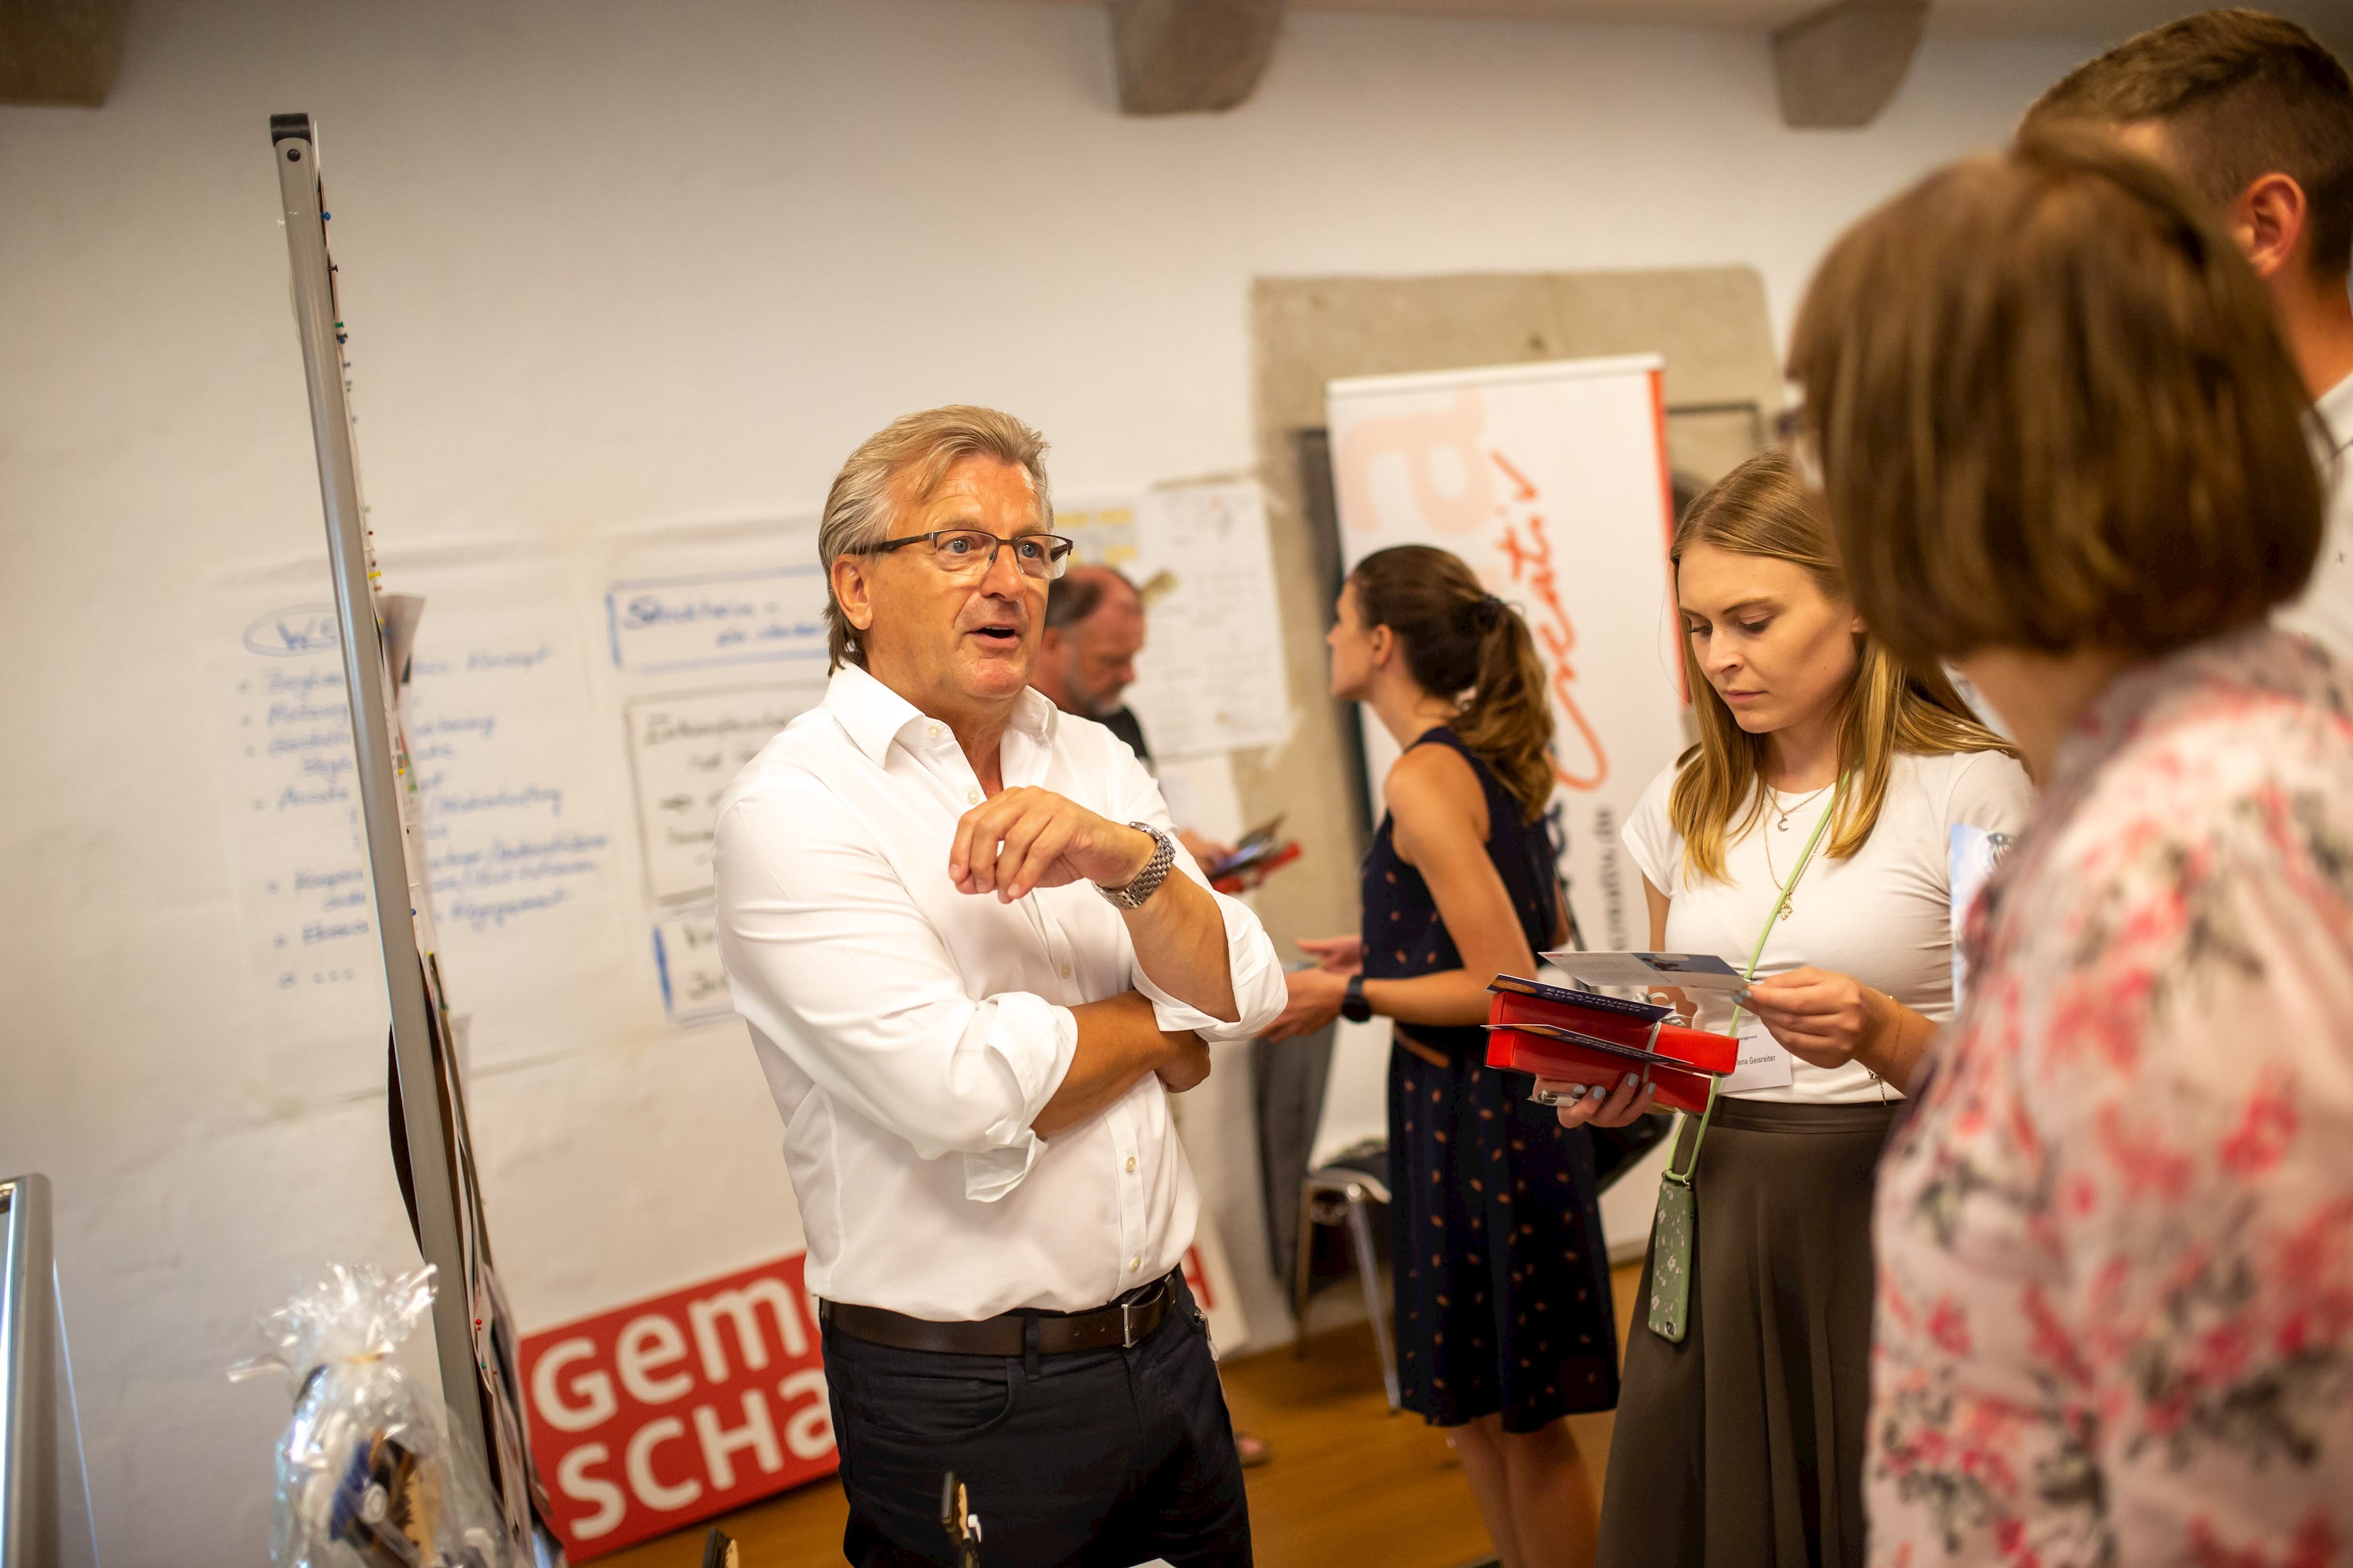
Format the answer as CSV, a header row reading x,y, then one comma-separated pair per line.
x,y
1741,1444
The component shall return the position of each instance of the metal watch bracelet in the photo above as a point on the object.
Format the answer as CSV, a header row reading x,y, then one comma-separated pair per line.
x,y
1147,881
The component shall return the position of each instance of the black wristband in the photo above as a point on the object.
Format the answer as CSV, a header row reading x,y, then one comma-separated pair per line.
x,y
1353,1006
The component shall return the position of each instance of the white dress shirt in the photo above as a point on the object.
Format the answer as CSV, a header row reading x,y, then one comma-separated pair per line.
x,y
1883,914
911,1033
2324,612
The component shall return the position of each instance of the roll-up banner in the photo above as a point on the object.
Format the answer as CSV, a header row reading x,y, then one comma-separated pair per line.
x,y
1550,480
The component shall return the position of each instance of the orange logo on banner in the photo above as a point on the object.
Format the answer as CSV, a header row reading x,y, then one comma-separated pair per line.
x,y
1434,449
1529,550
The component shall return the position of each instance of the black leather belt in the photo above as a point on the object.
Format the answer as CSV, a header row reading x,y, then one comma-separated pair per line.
x,y
1123,1324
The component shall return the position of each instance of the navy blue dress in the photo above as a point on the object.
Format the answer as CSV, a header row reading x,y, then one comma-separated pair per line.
x,y
1502,1276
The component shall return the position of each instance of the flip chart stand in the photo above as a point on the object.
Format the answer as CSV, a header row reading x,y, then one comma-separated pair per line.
x,y
470,1334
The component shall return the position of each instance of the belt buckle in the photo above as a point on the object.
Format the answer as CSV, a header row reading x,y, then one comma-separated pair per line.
x,y
1130,1311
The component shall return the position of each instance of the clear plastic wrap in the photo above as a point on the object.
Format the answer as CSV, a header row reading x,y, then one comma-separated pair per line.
x,y
364,1471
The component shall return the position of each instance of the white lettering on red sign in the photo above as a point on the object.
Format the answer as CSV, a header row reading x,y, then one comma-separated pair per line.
x,y
665,1412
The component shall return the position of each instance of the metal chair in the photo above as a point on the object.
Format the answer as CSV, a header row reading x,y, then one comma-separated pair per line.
x,y
1342,1193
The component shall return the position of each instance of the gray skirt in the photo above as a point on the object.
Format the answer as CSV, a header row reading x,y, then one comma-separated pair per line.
x,y
1742,1446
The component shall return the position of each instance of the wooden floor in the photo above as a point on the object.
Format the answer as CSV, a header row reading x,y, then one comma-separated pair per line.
x,y
1349,1484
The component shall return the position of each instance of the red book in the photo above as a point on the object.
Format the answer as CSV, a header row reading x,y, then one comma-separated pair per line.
x,y
1576,1037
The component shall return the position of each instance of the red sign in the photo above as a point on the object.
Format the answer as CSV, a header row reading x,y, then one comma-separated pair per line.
x,y
654,1415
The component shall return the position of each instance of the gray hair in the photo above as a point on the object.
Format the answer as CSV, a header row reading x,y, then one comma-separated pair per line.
x,y
1079,593
860,509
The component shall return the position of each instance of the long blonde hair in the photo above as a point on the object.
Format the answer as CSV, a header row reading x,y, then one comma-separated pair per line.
x,y
1762,508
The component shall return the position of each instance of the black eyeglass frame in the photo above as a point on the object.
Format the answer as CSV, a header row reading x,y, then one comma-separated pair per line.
x,y
1058,560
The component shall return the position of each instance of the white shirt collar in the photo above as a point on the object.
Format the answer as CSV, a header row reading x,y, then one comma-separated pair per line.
x,y
872,715
2335,409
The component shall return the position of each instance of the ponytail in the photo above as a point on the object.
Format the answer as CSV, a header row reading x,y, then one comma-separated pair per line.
x,y
1508,720
1465,643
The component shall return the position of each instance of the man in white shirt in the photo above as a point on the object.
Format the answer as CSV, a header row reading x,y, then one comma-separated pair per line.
x,y
975,963
2256,115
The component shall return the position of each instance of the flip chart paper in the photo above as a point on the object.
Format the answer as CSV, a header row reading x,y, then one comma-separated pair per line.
x,y
516,805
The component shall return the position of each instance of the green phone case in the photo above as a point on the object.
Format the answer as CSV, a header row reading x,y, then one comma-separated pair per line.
x,y
1673,1231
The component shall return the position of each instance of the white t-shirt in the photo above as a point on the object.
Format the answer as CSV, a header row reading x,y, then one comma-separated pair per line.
x,y
2325,611
1883,915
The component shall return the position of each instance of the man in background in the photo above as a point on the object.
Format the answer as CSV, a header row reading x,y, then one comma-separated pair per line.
x,y
1086,662
2255,114
1086,658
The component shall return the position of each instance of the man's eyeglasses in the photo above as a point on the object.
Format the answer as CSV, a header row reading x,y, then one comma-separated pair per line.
x,y
969,552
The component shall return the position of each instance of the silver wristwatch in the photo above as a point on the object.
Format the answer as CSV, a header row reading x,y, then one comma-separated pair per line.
x,y
1147,881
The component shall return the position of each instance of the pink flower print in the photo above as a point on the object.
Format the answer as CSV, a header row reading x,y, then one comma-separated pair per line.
x,y
2315,1545
1948,1326
2051,1341
2140,1156
2265,1129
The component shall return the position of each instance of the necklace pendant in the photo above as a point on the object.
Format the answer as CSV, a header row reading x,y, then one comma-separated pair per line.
x,y
1785,911
1785,825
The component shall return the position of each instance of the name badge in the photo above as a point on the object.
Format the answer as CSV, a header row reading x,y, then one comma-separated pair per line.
x,y
1763,1064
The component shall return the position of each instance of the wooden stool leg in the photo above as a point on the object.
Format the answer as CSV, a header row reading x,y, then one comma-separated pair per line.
x,y
1300,1269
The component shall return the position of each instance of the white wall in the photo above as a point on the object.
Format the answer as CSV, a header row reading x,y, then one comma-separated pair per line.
x,y
612,262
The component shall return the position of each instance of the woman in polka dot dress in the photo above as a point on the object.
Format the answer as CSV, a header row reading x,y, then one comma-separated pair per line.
x,y
1504,1320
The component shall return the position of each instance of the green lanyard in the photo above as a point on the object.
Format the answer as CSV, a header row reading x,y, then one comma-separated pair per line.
x,y
1674,1224
1780,905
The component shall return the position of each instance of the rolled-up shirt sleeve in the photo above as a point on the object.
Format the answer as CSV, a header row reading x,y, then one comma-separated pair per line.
x,y
1259,990
828,956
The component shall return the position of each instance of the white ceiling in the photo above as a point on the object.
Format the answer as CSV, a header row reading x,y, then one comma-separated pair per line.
x,y
2092,21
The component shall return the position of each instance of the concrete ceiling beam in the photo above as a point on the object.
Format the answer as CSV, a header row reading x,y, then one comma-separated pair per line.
x,y
61,51
1190,56
1838,67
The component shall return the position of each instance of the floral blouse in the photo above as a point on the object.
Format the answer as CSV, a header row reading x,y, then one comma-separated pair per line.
x,y
2115,1237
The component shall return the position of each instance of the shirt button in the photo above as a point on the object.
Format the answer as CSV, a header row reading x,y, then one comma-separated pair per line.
x,y
972,797
1134,1264
1131,1162
932,730
1066,971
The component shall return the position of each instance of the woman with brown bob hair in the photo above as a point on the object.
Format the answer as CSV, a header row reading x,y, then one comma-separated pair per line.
x,y
2063,448
1504,1320
1805,839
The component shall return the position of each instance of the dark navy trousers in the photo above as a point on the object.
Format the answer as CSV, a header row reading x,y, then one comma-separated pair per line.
x,y
1094,1459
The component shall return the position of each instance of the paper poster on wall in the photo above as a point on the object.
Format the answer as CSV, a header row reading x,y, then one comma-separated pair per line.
x,y
685,748
1211,677
693,976
1551,481
518,816
714,639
